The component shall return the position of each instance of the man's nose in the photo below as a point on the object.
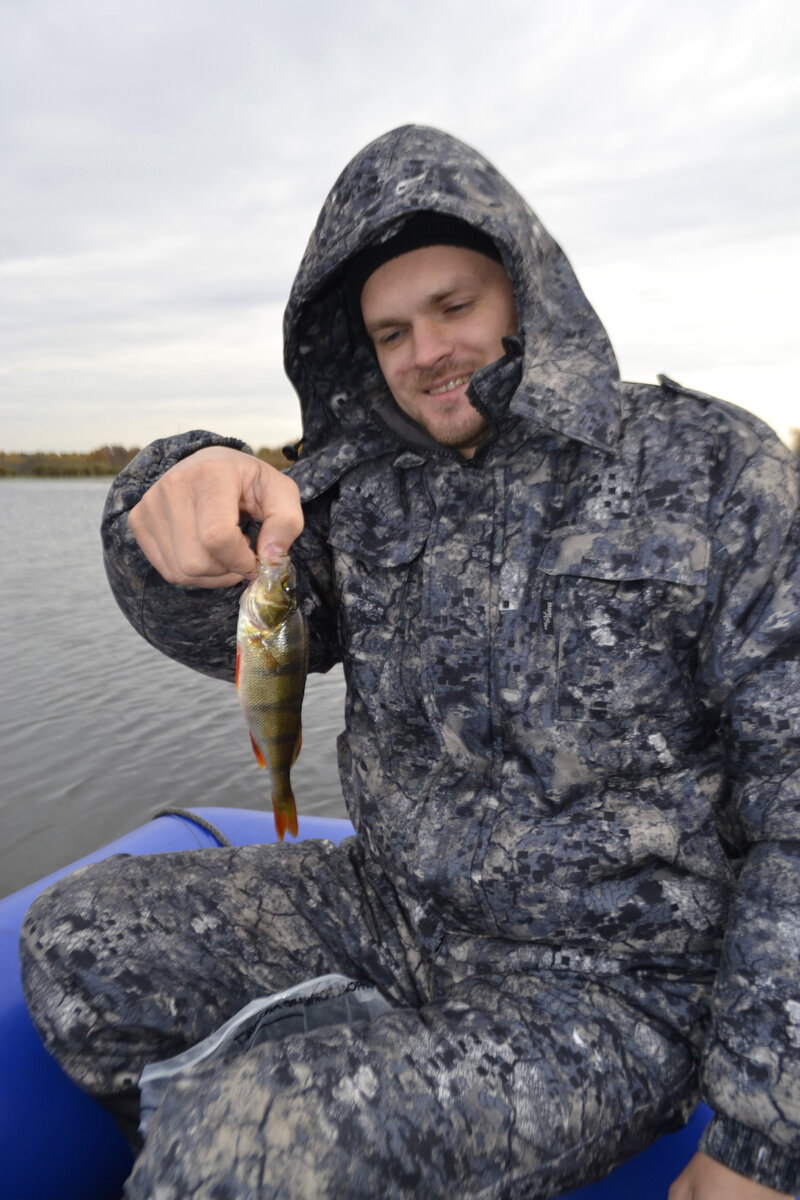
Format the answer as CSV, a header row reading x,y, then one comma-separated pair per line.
x,y
431,344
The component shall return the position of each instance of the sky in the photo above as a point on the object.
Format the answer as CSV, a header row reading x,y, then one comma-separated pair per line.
x,y
163,163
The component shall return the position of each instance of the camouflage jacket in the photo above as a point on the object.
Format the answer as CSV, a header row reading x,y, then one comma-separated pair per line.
x,y
573,694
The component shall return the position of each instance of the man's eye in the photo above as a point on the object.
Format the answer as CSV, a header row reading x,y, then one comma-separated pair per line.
x,y
387,339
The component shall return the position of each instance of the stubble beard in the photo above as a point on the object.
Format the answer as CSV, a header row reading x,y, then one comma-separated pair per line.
x,y
468,432
457,431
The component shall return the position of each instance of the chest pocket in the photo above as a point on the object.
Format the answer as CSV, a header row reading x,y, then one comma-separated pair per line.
x,y
625,607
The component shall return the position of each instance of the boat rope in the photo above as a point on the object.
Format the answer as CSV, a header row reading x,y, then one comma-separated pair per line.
x,y
187,815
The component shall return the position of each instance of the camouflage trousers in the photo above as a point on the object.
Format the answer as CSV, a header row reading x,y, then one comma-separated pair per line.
x,y
499,1070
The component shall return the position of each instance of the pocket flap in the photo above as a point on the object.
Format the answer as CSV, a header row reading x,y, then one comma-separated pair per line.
x,y
670,550
378,525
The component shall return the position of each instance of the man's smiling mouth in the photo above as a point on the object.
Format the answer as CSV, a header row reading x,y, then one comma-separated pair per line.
x,y
450,386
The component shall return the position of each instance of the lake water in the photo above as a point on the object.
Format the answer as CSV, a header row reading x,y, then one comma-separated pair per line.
x,y
98,731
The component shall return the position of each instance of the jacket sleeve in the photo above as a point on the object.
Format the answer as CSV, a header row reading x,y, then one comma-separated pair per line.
x,y
750,666
197,626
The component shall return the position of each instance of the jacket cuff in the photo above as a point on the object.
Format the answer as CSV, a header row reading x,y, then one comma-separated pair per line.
x,y
751,1154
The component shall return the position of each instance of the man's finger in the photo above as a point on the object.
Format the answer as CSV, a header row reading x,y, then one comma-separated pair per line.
x,y
278,502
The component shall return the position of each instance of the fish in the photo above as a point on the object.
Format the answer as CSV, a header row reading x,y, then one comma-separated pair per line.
x,y
271,669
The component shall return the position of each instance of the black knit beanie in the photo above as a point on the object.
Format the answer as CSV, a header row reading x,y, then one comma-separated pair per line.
x,y
423,229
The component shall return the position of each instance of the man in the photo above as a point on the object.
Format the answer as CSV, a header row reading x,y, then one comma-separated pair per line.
x,y
567,610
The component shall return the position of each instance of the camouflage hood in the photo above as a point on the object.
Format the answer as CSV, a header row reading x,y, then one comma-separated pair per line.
x,y
569,379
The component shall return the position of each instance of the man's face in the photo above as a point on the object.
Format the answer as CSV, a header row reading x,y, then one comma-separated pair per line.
x,y
435,316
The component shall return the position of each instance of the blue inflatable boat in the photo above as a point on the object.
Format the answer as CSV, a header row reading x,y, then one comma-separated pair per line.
x,y
55,1141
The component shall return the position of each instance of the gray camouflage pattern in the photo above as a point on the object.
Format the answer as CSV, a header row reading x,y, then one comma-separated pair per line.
x,y
571,748
474,1084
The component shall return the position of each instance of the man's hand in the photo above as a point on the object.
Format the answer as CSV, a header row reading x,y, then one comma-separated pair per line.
x,y
706,1179
187,523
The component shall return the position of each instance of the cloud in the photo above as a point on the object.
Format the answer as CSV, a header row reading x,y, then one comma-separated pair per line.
x,y
165,164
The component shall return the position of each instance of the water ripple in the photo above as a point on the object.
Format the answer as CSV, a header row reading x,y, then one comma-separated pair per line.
x,y
97,729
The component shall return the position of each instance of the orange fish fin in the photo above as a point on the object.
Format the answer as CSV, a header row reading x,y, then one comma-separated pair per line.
x,y
285,816
297,747
280,823
257,751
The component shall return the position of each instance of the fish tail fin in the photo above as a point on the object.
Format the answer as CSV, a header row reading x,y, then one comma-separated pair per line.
x,y
283,806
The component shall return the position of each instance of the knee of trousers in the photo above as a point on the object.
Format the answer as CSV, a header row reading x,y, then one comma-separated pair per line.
x,y
244,1133
61,946
313,1115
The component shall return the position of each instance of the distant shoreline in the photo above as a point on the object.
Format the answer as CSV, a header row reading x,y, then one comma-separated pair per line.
x,y
106,460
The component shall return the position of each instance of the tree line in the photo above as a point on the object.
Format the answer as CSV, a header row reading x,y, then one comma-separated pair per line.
x,y
106,460
109,460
